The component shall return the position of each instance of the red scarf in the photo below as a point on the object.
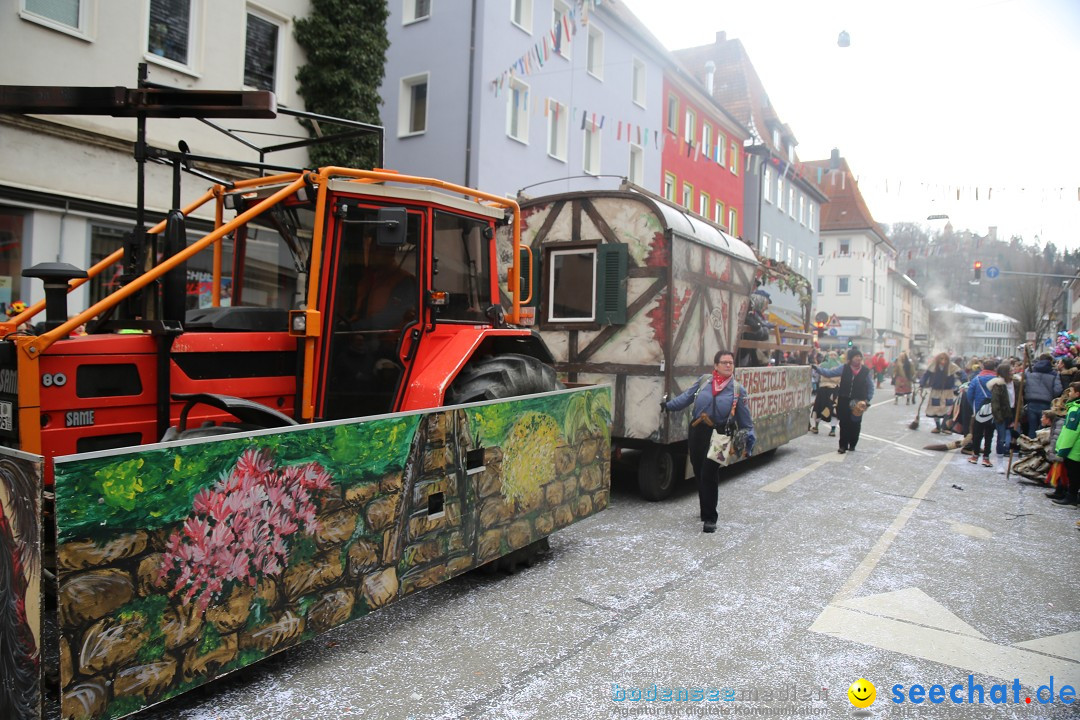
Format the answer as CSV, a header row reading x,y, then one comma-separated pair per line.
x,y
718,383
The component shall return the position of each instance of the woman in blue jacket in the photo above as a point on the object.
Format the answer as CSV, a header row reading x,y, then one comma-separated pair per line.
x,y
712,397
1041,386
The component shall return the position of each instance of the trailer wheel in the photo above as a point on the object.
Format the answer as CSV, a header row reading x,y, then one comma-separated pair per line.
x,y
657,473
502,376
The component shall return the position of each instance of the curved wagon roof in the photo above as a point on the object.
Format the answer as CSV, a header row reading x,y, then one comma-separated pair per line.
x,y
671,217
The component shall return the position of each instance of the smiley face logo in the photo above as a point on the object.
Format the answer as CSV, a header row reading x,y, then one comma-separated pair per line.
x,y
862,693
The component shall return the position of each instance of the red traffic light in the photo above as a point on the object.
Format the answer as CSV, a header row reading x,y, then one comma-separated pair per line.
x,y
978,264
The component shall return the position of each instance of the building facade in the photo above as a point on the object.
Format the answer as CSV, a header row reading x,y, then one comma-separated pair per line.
x,y
855,260
68,182
543,96
781,205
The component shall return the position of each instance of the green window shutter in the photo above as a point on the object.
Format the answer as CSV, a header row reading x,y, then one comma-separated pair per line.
x,y
612,261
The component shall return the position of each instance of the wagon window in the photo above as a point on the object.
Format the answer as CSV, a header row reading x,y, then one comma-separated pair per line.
x,y
572,285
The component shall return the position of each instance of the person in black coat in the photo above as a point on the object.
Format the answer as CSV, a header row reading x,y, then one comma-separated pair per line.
x,y
855,392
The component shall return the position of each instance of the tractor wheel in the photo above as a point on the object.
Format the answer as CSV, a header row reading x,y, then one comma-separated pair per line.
x,y
657,473
502,376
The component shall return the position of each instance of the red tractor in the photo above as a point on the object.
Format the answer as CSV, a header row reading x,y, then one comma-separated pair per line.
x,y
333,293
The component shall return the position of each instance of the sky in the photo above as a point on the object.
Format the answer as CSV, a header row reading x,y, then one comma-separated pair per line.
x,y
932,98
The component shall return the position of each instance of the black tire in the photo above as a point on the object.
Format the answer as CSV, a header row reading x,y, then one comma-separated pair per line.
x,y
502,376
657,473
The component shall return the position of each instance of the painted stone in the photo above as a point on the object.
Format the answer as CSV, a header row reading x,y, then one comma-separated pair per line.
x,y
232,612
199,666
85,699
382,512
363,556
112,642
93,595
284,630
321,571
335,528
145,680
181,625
331,610
380,588
149,574
84,554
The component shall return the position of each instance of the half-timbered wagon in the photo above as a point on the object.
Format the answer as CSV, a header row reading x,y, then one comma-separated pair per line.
x,y
630,290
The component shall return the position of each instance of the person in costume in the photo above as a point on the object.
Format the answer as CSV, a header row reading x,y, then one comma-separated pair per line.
x,y
853,396
942,379
825,399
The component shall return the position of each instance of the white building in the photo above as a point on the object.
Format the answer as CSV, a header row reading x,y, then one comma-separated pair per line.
x,y
969,332
67,183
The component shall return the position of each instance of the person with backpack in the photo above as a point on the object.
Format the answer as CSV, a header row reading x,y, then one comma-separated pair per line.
x,y
982,421
854,394
718,400
1041,386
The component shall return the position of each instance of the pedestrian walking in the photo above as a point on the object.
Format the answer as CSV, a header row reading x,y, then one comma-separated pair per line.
x,y
903,375
982,418
719,402
853,397
825,398
879,365
942,379
1041,385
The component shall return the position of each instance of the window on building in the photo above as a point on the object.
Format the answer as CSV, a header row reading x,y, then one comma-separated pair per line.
x,y
791,199
517,110
767,184
591,150
690,126
820,285
801,262
776,138
842,285
721,149
412,105
521,14
764,245
688,196
67,15
261,52
416,10
170,31
12,237
572,285
104,241
778,247
703,205
561,27
780,195
802,209
733,158
820,248
790,256
706,139
673,114
638,83
812,219
595,60
669,187
718,218
791,153
558,129
636,173
733,221
845,246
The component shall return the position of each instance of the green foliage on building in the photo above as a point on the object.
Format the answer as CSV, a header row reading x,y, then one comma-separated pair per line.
x,y
345,42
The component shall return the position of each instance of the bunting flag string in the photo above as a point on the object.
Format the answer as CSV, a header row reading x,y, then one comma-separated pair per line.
x,y
562,32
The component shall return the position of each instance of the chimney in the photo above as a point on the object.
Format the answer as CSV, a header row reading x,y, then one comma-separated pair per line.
x,y
834,159
710,76
721,37
993,233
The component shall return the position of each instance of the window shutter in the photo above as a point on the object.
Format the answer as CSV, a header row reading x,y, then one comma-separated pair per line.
x,y
611,284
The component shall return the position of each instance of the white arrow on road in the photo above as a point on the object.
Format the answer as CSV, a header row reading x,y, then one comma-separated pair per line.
x,y
778,485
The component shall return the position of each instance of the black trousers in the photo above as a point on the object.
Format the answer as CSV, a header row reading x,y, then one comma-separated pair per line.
x,y
706,472
980,433
850,426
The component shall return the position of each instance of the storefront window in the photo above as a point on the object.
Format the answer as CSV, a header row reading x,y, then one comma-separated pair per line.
x,y
11,243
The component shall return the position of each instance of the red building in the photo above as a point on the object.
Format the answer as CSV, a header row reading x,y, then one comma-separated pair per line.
x,y
702,163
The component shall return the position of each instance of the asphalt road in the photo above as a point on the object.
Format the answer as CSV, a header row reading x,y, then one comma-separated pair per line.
x,y
891,563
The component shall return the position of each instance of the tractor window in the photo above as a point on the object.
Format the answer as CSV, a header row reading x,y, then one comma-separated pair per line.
x,y
462,262
272,255
376,297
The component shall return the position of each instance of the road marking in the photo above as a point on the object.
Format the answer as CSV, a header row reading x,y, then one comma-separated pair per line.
x,y
778,485
1066,645
905,448
874,556
971,654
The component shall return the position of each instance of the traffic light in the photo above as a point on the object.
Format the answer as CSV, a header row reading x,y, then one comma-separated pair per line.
x,y
850,343
978,269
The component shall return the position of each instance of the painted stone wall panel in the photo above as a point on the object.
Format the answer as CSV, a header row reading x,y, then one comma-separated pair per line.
x,y
20,585
232,549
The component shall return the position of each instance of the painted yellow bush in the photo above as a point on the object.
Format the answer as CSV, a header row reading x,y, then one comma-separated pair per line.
x,y
529,450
